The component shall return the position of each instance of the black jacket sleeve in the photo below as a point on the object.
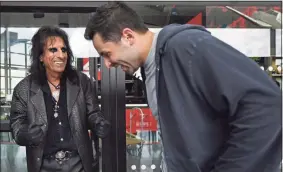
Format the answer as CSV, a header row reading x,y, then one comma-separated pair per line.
x,y
234,85
18,113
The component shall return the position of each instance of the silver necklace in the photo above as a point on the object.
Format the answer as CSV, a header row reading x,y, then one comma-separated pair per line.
x,y
56,95
56,107
57,87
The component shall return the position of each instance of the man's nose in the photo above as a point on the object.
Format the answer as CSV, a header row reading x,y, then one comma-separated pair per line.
x,y
60,54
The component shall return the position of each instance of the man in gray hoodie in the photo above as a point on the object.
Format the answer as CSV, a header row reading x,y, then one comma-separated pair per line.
x,y
217,110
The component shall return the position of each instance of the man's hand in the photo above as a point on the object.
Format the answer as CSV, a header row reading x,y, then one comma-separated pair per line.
x,y
30,136
102,127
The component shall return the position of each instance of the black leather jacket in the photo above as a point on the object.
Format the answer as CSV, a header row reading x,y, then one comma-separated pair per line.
x,y
28,107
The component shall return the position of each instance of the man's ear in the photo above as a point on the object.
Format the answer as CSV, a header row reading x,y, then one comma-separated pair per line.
x,y
128,35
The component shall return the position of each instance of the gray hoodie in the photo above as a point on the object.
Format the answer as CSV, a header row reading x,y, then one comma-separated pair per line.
x,y
218,111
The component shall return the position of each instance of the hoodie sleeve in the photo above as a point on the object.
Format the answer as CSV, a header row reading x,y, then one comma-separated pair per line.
x,y
234,85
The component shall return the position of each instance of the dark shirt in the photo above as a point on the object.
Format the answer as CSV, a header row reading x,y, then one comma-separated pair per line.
x,y
59,135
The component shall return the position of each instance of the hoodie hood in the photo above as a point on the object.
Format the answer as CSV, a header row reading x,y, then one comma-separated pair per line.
x,y
170,30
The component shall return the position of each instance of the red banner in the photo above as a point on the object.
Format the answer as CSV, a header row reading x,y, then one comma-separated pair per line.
x,y
135,120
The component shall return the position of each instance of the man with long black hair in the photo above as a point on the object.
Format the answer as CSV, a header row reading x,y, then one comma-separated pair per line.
x,y
217,110
54,107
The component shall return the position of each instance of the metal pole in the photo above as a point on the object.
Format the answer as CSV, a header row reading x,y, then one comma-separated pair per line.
x,y
113,107
91,69
26,58
268,60
0,66
272,47
95,73
10,76
6,61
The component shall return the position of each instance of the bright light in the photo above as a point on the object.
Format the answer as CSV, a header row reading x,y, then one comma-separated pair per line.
x,y
262,68
133,167
153,166
270,68
143,167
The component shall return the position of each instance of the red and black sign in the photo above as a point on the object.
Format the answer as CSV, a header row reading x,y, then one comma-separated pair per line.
x,y
221,17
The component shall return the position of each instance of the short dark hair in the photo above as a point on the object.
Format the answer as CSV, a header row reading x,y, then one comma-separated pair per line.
x,y
110,19
37,70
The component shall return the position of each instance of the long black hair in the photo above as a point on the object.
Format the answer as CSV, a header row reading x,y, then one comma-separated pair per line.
x,y
37,70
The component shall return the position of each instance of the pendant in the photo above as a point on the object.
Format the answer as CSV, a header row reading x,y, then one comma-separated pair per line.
x,y
56,94
55,114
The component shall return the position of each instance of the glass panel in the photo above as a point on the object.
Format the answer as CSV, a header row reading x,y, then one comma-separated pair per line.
x,y
2,54
2,86
278,42
144,149
18,73
2,71
15,81
251,42
80,46
18,59
2,83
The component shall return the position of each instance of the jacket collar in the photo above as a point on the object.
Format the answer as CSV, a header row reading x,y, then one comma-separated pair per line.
x,y
37,98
